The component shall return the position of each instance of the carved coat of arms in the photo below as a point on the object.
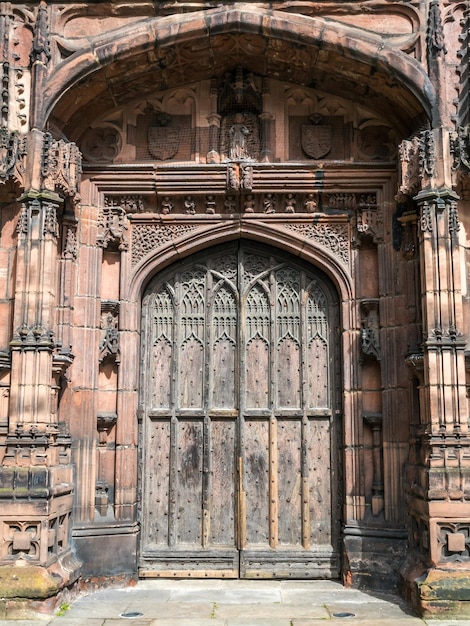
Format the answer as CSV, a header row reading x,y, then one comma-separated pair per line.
x,y
316,140
163,138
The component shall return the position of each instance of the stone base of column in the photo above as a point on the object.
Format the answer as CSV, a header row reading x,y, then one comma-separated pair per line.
x,y
372,556
434,592
26,590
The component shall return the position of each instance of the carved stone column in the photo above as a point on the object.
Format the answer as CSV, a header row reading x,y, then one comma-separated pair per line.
x,y
440,492
36,475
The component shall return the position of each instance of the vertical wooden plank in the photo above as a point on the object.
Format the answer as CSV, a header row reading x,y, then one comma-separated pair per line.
x,y
256,471
306,539
223,478
319,480
157,484
173,481
289,482
288,373
189,482
205,482
241,520
191,374
161,374
273,484
317,373
317,342
257,374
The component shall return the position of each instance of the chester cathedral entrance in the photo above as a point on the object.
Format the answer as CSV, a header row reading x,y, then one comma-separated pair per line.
x,y
234,294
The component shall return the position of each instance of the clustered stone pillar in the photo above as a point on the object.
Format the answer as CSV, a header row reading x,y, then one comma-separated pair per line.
x,y
440,485
36,475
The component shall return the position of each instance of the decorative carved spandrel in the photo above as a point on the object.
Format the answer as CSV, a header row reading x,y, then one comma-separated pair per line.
x,y
146,238
334,237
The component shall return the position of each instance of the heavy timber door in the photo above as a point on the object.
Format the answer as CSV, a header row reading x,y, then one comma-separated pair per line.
x,y
239,462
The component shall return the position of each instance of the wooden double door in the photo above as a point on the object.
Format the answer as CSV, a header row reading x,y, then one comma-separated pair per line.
x,y
239,463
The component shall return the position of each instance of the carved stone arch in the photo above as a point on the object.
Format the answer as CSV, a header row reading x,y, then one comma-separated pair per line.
x,y
411,87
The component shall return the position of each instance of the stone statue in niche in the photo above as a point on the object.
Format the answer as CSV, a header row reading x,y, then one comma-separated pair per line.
x,y
238,133
239,137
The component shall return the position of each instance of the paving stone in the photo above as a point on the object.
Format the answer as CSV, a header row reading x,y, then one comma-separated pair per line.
x,y
368,610
272,610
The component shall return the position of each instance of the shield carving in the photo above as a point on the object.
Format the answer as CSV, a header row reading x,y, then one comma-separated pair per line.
x,y
163,142
316,140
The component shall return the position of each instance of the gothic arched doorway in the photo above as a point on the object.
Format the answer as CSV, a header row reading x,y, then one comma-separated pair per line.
x,y
239,402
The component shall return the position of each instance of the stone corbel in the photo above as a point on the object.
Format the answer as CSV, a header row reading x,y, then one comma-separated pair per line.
x,y
370,343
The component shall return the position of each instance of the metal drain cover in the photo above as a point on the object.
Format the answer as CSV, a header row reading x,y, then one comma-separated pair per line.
x,y
131,615
344,614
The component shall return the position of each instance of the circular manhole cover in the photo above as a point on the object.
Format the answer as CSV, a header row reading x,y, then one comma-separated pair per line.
x,y
131,614
344,614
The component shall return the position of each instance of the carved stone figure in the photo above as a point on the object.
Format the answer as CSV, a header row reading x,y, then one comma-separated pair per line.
x,y
238,133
